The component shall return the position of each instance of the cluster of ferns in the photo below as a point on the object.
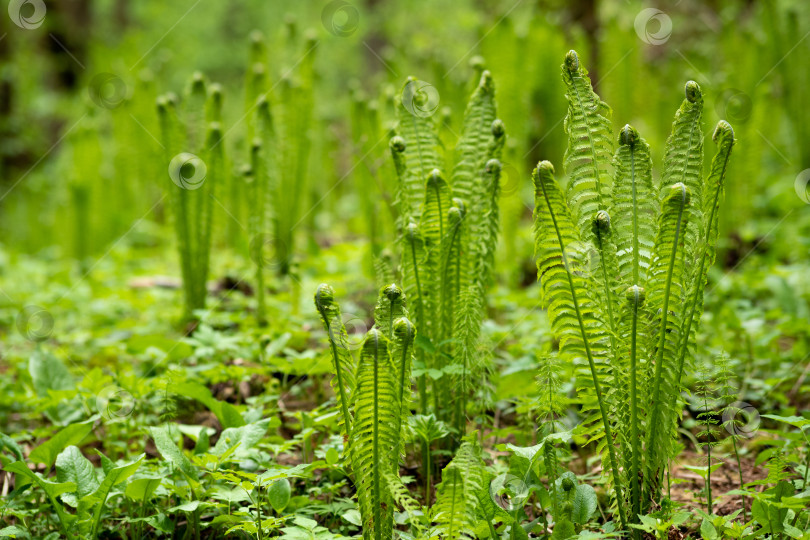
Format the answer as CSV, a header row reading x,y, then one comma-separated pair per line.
x,y
622,261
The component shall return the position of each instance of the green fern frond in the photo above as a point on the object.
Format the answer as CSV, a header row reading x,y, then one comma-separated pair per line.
x,y
390,307
402,355
683,159
590,145
471,151
402,497
194,112
455,512
374,440
571,310
454,275
343,365
634,206
421,155
383,268
551,403
664,297
704,256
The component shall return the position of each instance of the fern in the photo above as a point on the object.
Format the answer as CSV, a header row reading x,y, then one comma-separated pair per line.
x,y
634,209
457,503
374,405
448,237
665,283
418,150
374,437
623,280
343,365
570,308
196,164
590,144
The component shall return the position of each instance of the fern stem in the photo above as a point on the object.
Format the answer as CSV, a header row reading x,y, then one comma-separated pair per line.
x,y
739,470
420,313
636,299
428,467
597,387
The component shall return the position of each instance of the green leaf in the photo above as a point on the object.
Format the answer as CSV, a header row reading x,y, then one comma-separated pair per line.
x,y
584,504
52,489
14,532
49,373
70,435
166,445
279,494
96,501
353,517
245,437
226,413
707,530
141,489
72,466
332,456
795,421
8,442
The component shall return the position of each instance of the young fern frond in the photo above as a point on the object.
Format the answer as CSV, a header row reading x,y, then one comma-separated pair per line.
x,y
665,285
455,512
633,313
471,151
420,154
453,274
704,256
467,329
590,145
402,354
343,365
374,441
683,160
196,163
570,307
634,205
257,220
390,307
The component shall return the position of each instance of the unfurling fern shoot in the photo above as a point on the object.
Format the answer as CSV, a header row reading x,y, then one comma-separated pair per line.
x,y
373,404
631,318
196,165
448,234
